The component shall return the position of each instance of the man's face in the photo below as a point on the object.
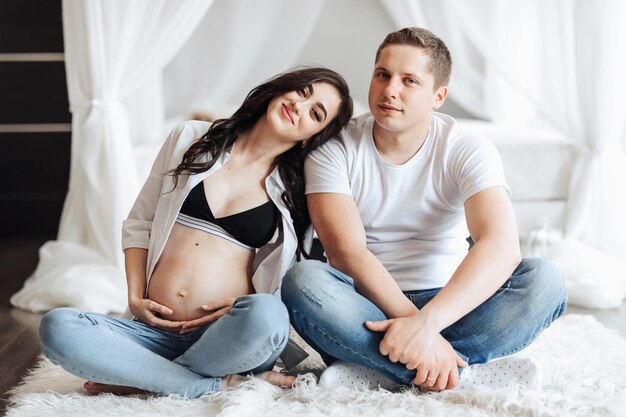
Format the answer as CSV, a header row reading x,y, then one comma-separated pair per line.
x,y
401,96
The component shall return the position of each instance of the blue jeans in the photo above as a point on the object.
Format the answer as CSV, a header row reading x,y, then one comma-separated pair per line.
x,y
116,351
329,314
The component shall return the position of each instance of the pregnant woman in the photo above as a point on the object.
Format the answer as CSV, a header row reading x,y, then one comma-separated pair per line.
x,y
219,221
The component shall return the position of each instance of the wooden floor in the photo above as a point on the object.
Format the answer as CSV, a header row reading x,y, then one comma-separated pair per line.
x,y
19,341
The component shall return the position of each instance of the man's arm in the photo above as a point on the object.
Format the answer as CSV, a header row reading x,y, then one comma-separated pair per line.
x,y
338,225
412,342
492,259
490,262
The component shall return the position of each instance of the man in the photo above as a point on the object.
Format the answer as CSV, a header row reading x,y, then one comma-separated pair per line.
x,y
392,201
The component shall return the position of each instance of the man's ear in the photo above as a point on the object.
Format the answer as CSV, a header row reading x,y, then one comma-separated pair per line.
x,y
440,97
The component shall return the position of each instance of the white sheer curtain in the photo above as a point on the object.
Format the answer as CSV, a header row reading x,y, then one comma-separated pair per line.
x,y
484,77
596,58
110,45
467,83
261,39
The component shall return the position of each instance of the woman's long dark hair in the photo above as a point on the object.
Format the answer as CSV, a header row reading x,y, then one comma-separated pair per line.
x,y
223,133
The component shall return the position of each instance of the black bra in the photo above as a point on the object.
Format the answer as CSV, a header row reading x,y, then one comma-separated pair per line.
x,y
251,228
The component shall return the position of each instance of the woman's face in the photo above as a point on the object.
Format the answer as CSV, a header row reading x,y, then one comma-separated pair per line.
x,y
298,115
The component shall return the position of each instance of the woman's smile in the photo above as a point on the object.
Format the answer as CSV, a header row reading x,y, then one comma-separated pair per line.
x,y
287,113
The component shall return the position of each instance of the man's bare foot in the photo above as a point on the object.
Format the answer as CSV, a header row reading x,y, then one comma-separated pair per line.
x,y
95,388
273,377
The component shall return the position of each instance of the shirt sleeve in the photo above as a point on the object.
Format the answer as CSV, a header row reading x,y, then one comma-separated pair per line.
x,y
136,228
476,165
326,169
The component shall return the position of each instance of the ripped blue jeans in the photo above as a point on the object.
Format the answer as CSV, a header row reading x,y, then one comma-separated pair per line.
x,y
329,314
117,351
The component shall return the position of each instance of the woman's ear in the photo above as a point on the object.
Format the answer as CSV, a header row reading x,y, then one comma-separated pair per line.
x,y
304,143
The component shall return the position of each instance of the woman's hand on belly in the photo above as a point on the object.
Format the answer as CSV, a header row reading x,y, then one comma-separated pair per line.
x,y
196,269
151,313
214,311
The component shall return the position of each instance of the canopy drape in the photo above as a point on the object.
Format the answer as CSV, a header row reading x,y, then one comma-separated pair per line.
x,y
562,60
110,45
224,62
113,48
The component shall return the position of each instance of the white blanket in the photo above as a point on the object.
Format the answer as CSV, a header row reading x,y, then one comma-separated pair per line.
x,y
583,363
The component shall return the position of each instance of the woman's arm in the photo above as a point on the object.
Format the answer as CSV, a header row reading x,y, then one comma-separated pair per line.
x,y
135,260
146,310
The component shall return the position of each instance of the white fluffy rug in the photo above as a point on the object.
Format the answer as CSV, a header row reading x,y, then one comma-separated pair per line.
x,y
584,367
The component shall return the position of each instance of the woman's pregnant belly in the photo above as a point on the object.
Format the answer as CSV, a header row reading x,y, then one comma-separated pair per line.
x,y
197,268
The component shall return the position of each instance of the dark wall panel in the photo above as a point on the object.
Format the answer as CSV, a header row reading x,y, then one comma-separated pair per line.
x,y
30,217
35,162
33,92
34,166
30,26
35,169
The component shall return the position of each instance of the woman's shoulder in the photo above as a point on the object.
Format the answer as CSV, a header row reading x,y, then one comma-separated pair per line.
x,y
182,135
189,130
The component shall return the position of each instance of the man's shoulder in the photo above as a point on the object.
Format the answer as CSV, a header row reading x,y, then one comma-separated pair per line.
x,y
348,140
459,144
453,134
444,118
356,128
446,126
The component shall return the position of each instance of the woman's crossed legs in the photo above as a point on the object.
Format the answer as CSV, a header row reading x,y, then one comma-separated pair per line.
x,y
127,353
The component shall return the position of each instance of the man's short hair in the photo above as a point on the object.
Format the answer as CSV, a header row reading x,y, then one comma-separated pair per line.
x,y
440,60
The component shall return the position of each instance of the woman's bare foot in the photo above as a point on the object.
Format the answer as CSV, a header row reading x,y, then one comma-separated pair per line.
x,y
95,388
278,379
273,377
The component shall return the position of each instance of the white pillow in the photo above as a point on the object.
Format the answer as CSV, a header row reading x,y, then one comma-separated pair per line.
x,y
593,279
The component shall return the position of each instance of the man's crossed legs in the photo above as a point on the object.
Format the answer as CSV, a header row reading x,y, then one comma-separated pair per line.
x,y
329,314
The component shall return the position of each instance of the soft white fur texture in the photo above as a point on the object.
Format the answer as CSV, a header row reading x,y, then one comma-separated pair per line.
x,y
584,366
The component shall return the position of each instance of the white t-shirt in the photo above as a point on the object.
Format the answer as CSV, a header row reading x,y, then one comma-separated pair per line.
x,y
412,213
